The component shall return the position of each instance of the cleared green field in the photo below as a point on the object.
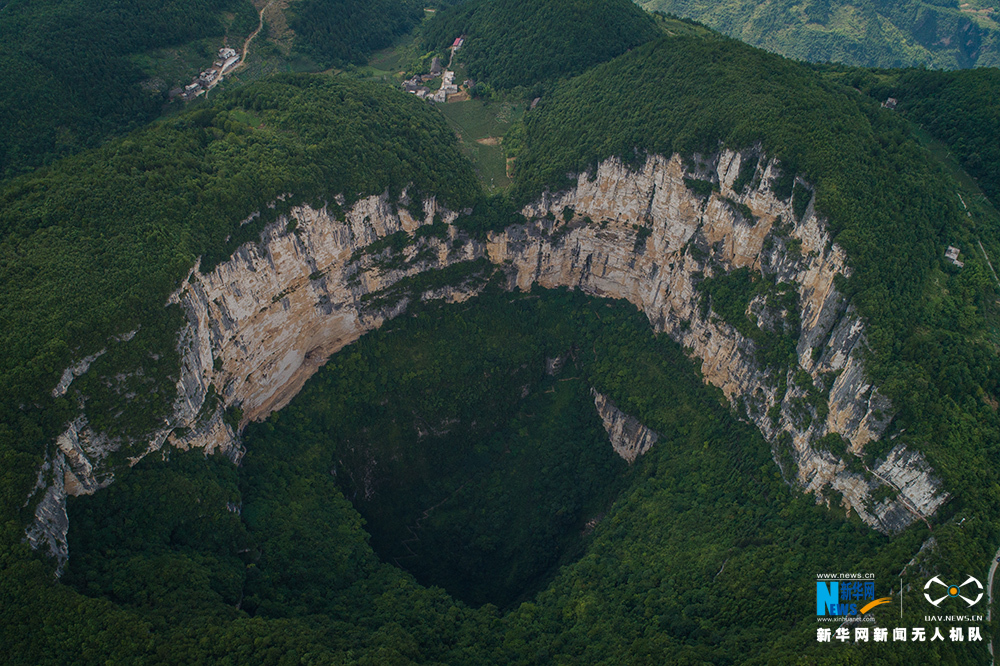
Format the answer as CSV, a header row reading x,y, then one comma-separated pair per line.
x,y
475,119
480,127
489,163
397,57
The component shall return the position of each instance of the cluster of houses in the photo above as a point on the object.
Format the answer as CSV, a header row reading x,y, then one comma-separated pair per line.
x,y
416,85
206,80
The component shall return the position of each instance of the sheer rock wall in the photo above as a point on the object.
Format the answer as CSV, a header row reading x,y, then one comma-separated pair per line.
x,y
262,322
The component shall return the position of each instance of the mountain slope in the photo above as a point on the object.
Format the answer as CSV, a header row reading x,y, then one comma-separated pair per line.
x,y
647,178
962,109
513,43
339,32
872,34
888,202
93,246
69,78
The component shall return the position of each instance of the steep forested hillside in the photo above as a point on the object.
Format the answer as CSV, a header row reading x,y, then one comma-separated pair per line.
x,y
459,441
338,32
204,562
511,43
961,109
889,204
92,246
76,73
873,34
68,80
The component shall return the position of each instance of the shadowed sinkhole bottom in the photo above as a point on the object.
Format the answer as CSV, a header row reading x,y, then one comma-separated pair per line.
x,y
459,443
472,464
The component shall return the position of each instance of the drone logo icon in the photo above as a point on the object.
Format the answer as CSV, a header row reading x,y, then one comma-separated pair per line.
x,y
953,591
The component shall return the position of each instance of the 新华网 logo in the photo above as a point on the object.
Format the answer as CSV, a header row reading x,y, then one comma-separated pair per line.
x,y
846,597
953,591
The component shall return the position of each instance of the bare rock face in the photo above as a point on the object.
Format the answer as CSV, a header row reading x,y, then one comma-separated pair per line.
x,y
48,531
261,323
629,438
650,239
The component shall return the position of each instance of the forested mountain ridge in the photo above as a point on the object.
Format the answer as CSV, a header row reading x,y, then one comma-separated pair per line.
x,y
868,34
510,43
69,80
765,216
94,245
341,32
77,73
727,92
961,109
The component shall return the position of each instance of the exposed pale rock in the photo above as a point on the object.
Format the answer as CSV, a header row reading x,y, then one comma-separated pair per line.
x,y
48,530
629,438
74,371
262,322
660,279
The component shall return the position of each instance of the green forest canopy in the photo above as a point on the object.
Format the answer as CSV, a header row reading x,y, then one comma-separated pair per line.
x,y
340,32
513,43
65,229
92,246
206,562
961,109
68,82
889,205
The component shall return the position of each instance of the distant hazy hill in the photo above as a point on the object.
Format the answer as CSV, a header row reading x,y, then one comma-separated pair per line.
x,y
874,33
512,42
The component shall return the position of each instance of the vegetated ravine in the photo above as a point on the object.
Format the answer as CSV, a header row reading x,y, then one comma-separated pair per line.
x,y
466,436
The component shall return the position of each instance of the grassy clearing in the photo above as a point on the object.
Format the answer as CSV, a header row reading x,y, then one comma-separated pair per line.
x,y
947,160
489,163
397,57
481,126
476,119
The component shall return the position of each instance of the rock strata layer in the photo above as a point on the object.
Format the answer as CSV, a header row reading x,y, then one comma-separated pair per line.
x,y
262,322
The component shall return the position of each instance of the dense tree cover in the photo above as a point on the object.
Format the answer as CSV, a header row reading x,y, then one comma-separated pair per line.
x,y
931,328
91,248
728,295
462,479
881,33
961,109
340,32
68,79
269,563
515,43
705,556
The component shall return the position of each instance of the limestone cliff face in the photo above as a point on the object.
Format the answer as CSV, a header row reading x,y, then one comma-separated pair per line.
x,y
651,239
262,322
629,438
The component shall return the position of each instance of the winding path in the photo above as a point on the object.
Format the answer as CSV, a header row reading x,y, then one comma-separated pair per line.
x,y
246,50
246,44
